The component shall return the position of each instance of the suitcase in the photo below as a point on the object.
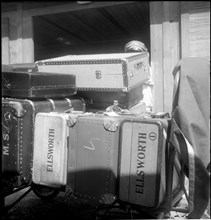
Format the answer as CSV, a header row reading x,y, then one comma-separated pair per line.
x,y
143,163
23,84
50,149
93,157
109,77
17,134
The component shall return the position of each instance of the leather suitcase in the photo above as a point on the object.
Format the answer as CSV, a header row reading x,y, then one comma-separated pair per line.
x,y
17,134
103,78
93,157
143,163
50,149
23,84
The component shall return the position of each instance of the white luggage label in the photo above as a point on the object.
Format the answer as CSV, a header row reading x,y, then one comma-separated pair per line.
x,y
50,149
142,153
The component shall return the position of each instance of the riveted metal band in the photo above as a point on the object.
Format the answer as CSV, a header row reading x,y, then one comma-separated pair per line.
x,y
124,73
79,62
20,143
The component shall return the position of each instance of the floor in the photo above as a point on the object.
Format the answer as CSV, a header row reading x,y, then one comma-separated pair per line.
x,y
66,206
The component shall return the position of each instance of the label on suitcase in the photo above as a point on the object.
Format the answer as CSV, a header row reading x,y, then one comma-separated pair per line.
x,y
115,71
142,163
23,84
50,149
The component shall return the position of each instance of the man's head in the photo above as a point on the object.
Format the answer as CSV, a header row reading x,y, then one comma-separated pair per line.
x,y
135,46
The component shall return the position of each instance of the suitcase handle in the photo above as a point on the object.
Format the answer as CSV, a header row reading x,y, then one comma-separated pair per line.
x,y
52,103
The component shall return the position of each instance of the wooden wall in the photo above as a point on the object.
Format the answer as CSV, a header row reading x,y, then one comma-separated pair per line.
x,y
17,25
195,29
164,30
17,37
178,29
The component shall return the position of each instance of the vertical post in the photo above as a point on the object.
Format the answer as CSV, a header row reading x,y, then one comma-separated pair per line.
x,y
184,28
21,44
15,35
170,49
27,37
5,41
156,38
19,40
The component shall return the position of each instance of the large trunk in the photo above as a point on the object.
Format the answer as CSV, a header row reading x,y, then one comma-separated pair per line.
x,y
103,78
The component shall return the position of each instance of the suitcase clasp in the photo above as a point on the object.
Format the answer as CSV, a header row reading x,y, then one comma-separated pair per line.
x,y
98,74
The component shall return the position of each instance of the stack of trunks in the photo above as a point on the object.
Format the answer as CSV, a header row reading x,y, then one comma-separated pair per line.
x,y
80,121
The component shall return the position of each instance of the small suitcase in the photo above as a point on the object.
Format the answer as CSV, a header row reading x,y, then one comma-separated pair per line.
x,y
143,162
109,77
17,134
23,84
50,149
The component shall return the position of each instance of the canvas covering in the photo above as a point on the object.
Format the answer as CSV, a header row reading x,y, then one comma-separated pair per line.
x,y
190,132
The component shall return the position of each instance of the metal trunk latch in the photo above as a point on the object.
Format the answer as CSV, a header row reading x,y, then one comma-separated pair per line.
x,y
98,74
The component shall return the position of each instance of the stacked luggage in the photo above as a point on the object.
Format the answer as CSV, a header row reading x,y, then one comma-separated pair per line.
x,y
116,152
102,145
26,92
